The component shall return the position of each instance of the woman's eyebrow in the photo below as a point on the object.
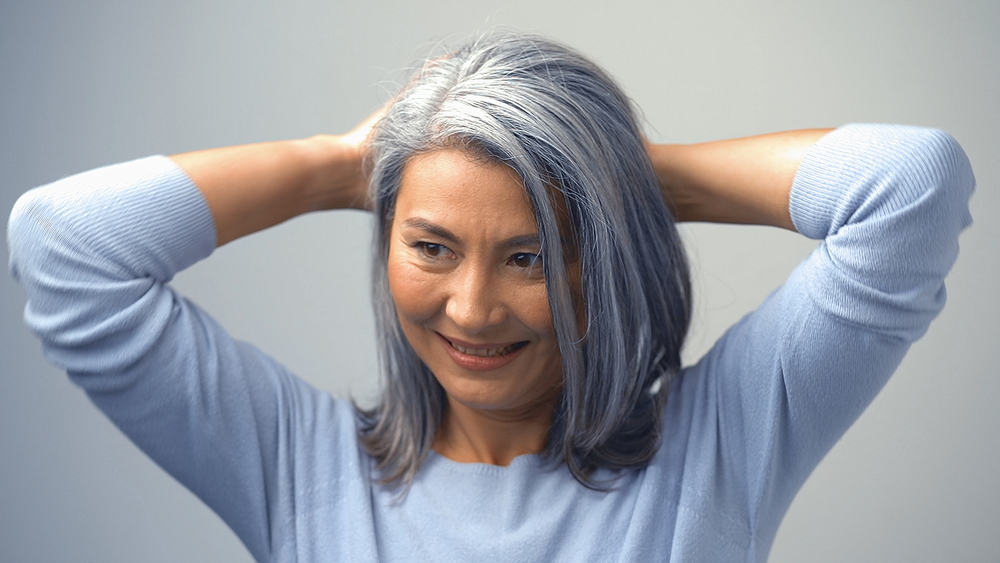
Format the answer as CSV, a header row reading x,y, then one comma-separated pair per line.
x,y
530,240
425,225
522,241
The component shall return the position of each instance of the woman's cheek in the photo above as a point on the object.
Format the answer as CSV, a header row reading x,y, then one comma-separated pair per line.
x,y
533,305
412,290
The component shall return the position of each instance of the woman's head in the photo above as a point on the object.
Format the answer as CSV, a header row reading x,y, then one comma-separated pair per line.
x,y
551,128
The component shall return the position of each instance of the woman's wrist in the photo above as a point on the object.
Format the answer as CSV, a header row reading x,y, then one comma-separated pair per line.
x,y
338,180
341,181
678,195
686,186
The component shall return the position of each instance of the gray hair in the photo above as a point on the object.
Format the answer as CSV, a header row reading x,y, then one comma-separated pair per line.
x,y
569,132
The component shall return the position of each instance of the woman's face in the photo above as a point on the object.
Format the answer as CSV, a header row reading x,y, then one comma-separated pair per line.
x,y
466,276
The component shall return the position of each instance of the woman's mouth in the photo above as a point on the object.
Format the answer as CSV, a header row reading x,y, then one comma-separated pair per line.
x,y
481,357
486,352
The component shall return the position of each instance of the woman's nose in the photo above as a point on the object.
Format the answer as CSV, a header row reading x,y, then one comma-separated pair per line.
x,y
473,302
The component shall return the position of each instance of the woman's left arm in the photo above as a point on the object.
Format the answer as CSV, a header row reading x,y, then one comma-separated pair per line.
x,y
782,385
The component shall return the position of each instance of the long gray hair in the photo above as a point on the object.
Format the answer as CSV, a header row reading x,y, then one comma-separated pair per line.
x,y
563,125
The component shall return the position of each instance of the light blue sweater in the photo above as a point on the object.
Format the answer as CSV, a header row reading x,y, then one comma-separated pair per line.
x,y
280,462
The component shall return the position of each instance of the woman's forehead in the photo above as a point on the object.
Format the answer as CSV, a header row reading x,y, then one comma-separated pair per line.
x,y
451,186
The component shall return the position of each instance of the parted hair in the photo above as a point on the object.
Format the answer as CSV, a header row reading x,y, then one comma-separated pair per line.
x,y
570,133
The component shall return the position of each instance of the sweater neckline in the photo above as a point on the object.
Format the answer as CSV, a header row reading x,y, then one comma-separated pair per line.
x,y
519,463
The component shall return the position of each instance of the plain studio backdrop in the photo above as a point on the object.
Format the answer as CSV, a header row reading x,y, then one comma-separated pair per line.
x,y
92,83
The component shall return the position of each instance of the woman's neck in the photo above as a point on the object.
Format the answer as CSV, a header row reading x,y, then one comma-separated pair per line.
x,y
471,435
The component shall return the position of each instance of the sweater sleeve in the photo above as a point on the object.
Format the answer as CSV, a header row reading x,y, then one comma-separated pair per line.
x,y
94,253
783,384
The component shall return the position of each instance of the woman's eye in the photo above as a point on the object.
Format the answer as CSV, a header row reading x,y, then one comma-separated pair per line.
x,y
432,250
527,260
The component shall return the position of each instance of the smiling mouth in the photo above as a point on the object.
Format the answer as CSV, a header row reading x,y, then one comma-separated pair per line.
x,y
485,351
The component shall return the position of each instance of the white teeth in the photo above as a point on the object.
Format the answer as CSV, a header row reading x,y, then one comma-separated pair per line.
x,y
484,352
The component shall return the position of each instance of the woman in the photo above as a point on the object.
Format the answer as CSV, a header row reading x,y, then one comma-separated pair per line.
x,y
531,296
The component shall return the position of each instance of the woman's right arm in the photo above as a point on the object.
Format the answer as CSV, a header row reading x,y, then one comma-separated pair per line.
x,y
94,253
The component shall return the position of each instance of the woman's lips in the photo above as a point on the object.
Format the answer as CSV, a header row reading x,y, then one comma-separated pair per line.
x,y
481,357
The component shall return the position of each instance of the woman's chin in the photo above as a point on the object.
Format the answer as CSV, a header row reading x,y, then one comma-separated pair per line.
x,y
496,401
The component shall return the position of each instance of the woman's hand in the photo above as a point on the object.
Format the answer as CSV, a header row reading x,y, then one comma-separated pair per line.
x,y
252,187
733,181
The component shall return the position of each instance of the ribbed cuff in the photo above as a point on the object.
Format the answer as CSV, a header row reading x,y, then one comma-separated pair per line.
x,y
158,222
822,181
176,214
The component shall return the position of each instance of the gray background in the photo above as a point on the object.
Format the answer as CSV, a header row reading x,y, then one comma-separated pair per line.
x,y
90,83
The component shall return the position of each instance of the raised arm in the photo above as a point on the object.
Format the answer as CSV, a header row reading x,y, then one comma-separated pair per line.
x,y
779,388
95,253
744,180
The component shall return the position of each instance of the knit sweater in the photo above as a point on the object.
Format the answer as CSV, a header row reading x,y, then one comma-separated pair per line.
x,y
280,461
